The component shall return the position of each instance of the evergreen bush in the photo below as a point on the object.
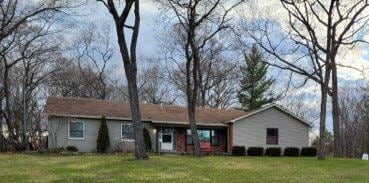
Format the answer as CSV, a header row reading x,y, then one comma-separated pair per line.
x,y
103,141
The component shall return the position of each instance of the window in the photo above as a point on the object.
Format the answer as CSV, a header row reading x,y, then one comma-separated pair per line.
x,y
76,130
214,137
167,138
188,137
204,137
127,132
167,135
272,136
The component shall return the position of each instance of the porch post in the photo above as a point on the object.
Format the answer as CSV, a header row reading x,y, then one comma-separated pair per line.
x,y
160,139
157,139
230,137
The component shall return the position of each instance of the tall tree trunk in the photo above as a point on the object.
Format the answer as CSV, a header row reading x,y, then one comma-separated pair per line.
x,y
192,92
24,114
323,111
335,114
130,67
1,125
322,131
192,88
202,85
140,150
194,134
131,74
7,111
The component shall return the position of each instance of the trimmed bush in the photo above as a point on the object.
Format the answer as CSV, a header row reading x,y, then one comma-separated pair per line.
x,y
239,151
255,151
291,151
273,151
103,141
52,151
71,149
308,151
147,139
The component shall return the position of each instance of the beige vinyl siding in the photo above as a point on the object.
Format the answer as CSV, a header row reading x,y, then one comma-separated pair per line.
x,y
58,134
251,131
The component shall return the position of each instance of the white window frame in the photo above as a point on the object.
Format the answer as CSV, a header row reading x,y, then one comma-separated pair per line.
x,y
121,132
84,130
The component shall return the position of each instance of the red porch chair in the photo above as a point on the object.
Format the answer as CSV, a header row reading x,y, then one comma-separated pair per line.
x,y
206,147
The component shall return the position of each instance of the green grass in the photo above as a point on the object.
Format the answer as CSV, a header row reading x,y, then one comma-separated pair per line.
x,y
176,168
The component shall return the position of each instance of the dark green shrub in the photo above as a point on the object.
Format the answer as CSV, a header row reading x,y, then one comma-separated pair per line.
x,y
20,147
54,150
41,151
308,151
71,148
291,151
239,151
103,141
255,151
273,151
147,139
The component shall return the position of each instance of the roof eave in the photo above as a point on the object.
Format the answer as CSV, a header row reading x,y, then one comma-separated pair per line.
x,y
92,117
186,123
129,119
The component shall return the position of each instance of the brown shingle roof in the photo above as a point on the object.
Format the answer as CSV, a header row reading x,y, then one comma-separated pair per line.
x,y
93,108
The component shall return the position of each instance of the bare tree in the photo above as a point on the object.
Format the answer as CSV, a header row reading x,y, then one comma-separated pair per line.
x,y
191,18
34,72
342,31
71,80
219,82
93,52
218,73
24,27
154,85
296,102
222,89
317,29
354,124
130,65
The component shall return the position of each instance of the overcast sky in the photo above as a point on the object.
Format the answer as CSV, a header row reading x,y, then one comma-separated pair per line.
x,y
96,13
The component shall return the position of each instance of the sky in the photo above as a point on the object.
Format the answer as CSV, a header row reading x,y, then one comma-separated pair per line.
x,y
95,13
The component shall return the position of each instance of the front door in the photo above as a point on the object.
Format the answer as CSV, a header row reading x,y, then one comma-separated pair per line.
x,y
167,139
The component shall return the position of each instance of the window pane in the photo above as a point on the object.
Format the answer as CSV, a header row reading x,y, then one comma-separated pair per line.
x,y
215,137
127,131
167,138
76,129
76,125
272,136
188,137
204,135
76,134
188,132
167,130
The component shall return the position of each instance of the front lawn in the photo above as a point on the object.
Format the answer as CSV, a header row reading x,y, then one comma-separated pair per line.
x,y
176,168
